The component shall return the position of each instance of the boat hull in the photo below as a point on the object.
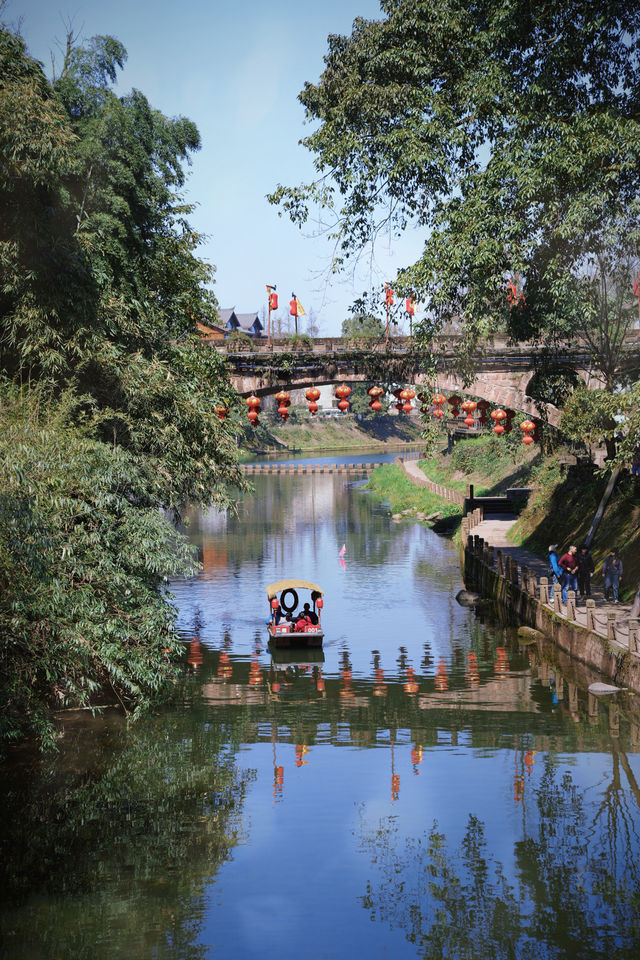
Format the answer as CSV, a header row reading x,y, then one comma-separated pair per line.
x,y
292,639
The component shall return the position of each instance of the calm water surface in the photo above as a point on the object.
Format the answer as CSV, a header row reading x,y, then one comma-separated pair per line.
x,y
427,786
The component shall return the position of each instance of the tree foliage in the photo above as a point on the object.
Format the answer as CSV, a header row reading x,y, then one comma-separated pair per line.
x,y
510,134
100,291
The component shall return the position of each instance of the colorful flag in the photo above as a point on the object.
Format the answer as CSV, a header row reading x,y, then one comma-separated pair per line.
x,y
301,310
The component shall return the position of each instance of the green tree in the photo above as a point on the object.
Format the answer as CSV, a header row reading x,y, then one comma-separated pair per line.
x,y
100,282
509,133
362,325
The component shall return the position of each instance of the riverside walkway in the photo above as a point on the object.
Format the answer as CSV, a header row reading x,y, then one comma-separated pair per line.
x,y
529,571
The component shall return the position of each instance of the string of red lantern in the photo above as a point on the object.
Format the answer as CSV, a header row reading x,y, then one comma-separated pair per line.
x,y
342,392
254,406
313,395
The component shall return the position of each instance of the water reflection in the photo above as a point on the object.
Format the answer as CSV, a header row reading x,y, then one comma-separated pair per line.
x,y
425,785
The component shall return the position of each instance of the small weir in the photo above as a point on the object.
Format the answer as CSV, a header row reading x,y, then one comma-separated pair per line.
x,y
251,469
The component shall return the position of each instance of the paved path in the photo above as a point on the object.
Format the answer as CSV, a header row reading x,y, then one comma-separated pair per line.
x,y
494,531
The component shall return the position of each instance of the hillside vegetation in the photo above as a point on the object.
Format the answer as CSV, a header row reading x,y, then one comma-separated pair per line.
x,y
562,509
492,464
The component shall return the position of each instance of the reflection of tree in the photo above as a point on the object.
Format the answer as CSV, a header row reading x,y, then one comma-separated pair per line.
x,y
120,855
575,892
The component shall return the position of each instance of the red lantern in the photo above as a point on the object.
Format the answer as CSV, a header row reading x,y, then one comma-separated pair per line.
x,y
375,392
283,399
273,301
470,422
343,405
375,405
498,415
253,402
293,307
221,412
313,407
253,417
438,399
410,306
438,412
406,407
319,603
527,439
284,413
527,426
312,394
388,295
498,429
274,604
343,391
469,406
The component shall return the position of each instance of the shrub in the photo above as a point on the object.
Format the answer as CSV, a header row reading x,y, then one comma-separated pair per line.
x,y
83,553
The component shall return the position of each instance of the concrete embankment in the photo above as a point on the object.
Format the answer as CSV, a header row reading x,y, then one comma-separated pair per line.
x,y
603,638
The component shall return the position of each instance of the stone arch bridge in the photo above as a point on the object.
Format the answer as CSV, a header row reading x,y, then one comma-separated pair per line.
x,y
503,372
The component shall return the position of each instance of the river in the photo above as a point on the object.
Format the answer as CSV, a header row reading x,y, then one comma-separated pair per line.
x,y
427,786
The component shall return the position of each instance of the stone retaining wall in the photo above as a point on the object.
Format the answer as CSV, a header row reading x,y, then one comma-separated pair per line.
x,y
605,643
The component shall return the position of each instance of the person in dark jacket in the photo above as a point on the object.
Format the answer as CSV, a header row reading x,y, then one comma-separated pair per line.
x,y
585,570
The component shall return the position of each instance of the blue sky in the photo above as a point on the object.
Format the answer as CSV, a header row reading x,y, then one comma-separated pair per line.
x,y
235,69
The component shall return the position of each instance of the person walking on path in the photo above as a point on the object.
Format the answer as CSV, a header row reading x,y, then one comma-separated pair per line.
x,y
555,570
569,563
612,570
585,570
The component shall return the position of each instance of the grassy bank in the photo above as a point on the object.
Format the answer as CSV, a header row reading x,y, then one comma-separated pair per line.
x,y
562,509
492,464
314,435
390,484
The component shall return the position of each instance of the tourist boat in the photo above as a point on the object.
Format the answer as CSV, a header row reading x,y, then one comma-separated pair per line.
x,y
286,609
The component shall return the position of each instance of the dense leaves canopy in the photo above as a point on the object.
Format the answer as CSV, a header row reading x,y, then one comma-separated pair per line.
x,y
100,284
508,131
106,398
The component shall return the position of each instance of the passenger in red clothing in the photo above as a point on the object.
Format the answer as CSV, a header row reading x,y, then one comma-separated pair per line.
x,y
569,563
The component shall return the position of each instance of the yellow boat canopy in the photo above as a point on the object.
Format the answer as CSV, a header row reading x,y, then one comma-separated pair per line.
x,y
276,588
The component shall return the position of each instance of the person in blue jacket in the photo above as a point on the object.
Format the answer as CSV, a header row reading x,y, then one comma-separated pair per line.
x,y
556,573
